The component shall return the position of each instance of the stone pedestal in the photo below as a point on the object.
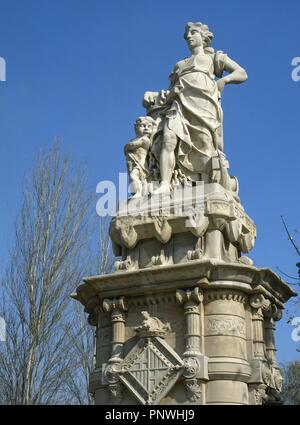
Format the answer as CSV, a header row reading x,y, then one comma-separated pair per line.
x,y
185,319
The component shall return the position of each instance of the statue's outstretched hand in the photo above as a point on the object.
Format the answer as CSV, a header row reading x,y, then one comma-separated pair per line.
x,y
163,94
149,98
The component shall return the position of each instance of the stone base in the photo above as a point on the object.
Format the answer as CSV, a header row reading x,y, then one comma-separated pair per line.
x,y
199,332
206,222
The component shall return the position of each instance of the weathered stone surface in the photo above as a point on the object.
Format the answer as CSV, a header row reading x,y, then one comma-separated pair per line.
x,y
224,334
186,318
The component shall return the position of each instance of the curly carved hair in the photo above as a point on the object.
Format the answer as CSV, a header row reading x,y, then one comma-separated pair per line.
x,y
142,119
207,35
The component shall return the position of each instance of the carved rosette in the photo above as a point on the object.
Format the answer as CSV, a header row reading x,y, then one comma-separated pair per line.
x,y
111,378
192,369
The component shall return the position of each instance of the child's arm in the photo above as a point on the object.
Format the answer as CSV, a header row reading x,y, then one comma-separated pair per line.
x,y
136,144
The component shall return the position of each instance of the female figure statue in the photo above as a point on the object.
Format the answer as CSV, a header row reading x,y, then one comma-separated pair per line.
x,y
190,132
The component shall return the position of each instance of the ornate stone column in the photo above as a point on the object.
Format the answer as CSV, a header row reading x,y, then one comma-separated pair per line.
x,y
260,378
191,300
259,305
117,309
272,314
266,381
110,376
195,372
275,387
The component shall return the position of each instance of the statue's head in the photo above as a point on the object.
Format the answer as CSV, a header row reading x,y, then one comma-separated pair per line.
x,y
197,34
145,314
144,126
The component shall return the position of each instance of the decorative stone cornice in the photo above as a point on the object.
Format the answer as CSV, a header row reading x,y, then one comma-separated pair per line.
x,y
151,300
224,294
149,280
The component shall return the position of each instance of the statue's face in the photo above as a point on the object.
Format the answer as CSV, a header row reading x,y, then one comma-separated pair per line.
x,y
144,128
193,37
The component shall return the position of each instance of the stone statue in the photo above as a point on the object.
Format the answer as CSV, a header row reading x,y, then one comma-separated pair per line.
x,y
189,114
182,258
152,326
136,152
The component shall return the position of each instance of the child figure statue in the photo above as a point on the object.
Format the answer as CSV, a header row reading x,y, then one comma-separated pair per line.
x,y
136,152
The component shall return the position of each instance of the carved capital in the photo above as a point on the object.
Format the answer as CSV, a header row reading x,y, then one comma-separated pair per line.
x,y
189,298
259,301
116,307
260,305
273,313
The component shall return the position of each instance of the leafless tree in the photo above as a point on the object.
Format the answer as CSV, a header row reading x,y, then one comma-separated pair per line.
x,y
47,262
291,383
291,238
82,333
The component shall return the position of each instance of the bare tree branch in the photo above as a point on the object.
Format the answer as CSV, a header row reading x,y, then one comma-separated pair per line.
x,y
48,259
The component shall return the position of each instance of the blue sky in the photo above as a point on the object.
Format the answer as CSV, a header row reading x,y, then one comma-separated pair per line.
x,y
77,70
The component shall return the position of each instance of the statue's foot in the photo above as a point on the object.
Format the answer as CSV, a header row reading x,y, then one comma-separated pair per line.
x,y
163,188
